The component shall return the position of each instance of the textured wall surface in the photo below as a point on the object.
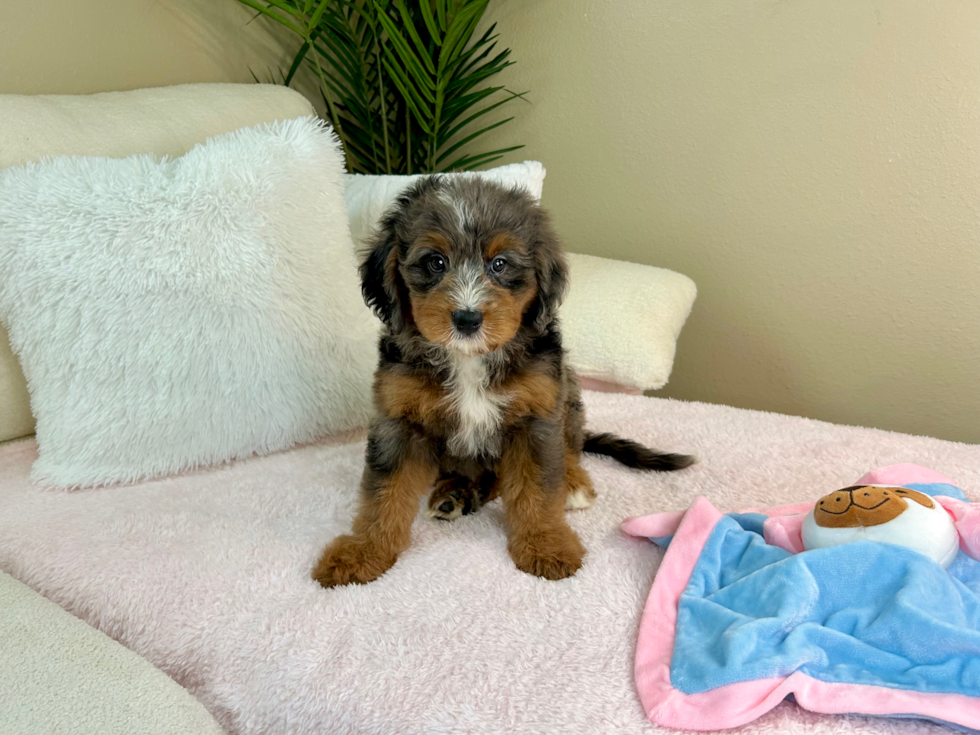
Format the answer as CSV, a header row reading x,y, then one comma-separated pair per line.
x,y
70,47
813,165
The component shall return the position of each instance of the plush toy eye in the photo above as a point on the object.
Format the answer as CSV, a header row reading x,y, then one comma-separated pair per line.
x,y
436,264
497,265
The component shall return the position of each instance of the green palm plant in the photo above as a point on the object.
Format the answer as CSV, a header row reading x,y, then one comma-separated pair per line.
x,y
404,82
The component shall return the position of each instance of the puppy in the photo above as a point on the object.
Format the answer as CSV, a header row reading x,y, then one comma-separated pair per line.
x,y
472,390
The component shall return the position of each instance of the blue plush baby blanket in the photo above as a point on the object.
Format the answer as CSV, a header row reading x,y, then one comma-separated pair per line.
x,y
735,624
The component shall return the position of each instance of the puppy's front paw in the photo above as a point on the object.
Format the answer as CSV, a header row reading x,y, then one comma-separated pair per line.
x,y
350,560
552,555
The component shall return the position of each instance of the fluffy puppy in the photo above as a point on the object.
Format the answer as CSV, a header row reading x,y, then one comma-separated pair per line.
x,y
472,391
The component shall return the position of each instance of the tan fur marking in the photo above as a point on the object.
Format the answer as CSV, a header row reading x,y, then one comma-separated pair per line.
x,y
504,241
432,311
539,539
503,314
433,315
431,240
531,394
382,528
409,397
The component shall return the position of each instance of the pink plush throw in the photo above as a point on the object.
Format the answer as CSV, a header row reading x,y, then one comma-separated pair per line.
x,y
207,575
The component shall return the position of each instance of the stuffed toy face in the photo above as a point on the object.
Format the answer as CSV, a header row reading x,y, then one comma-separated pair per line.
x,y
894,515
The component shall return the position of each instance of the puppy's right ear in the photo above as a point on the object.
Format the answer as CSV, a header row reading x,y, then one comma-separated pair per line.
x,y
381,283
379,275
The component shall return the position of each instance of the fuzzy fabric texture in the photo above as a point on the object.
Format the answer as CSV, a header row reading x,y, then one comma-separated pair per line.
x,y
59,675
166,121
207,575
171,313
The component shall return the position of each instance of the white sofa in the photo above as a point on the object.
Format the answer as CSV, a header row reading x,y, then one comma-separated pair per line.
x,y
61,675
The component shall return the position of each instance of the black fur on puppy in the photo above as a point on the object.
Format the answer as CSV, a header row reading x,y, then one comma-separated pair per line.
x,y
472,391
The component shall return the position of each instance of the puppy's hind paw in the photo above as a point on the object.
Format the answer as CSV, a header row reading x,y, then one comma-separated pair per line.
x,y
452,497
579,492
579,499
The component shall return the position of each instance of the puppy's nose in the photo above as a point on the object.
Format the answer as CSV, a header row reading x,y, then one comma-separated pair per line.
x,y
467,321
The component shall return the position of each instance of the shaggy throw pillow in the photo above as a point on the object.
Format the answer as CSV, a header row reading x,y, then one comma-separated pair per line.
x,y
174,313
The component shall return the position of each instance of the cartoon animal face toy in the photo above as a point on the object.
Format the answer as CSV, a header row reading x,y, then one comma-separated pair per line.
x,y
894,515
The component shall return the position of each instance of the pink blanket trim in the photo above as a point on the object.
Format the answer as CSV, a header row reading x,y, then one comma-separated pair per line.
x,y
737,704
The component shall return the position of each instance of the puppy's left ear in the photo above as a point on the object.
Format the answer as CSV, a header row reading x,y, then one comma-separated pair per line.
x,y
552,275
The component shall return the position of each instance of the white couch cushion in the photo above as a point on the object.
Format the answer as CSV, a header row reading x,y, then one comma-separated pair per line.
x,y
58,674
621,321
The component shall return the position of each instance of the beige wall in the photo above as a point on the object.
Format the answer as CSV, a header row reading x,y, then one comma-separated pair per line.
x,y
814,165
84,46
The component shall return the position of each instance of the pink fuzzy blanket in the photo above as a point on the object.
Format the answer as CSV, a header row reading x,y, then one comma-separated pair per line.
x,y
207,576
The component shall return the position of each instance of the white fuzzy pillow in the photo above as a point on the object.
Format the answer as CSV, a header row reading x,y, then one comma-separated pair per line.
x,y
172,313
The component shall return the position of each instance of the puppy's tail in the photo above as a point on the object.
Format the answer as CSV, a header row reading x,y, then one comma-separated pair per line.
x,y
634,455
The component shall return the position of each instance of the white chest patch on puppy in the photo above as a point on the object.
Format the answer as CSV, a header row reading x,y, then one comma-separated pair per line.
x,y
478,410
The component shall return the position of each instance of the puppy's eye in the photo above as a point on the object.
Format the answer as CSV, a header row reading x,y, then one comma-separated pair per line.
x,y
497,265
436,264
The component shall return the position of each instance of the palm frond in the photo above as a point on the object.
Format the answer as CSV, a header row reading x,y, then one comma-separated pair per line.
x,y
403,82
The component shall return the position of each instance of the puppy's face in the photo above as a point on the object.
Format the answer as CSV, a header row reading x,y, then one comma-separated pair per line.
x,y
468,293
465,264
